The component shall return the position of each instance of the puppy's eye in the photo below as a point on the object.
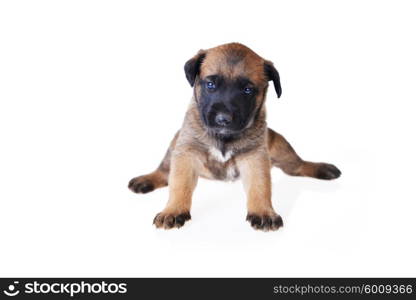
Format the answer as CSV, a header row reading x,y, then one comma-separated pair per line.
x,y
210,85
248,91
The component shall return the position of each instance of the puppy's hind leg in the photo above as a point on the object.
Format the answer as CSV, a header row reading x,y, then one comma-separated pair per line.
x,y
283,156
158,178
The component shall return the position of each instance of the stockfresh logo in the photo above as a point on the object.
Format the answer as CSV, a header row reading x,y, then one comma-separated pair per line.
x,y
65,288
12,289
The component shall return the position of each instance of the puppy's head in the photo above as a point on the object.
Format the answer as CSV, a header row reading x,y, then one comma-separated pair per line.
x,y
230,83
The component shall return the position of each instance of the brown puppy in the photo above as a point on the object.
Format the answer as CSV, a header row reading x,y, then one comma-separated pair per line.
x,y
224,136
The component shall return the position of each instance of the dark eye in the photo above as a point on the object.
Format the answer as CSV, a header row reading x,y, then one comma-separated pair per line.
x,y
248,91
210,85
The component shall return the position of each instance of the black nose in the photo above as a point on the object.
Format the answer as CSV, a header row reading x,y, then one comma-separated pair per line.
x,y
223,119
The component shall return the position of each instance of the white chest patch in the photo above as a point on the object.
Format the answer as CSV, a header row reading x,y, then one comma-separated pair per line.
x,y
217,155
232,173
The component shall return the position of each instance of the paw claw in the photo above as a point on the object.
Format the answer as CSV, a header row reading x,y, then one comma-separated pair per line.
x,y
169,220
327,172
265,222
140,185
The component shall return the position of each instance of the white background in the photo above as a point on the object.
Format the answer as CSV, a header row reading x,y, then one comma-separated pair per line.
x,y
91,92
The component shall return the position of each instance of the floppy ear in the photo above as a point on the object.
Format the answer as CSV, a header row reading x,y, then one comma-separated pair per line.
x,y
272,74
192,66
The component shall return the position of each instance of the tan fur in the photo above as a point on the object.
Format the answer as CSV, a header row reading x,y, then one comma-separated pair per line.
x,y
255,174
219,60
193,152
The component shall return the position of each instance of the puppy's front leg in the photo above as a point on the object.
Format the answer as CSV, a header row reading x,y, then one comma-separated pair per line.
x,y
256,177
182,182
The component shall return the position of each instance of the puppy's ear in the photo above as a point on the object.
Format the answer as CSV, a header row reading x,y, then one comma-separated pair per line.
x,y
272,74
192,66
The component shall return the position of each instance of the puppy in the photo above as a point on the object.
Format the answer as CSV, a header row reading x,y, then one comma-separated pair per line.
x,y
224,136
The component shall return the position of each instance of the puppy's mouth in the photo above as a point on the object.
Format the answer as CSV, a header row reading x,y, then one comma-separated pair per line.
x,y
226,132
224,124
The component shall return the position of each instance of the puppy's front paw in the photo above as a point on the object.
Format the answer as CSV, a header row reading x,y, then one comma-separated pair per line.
x,y
171,220
141,184
265,222
327,172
